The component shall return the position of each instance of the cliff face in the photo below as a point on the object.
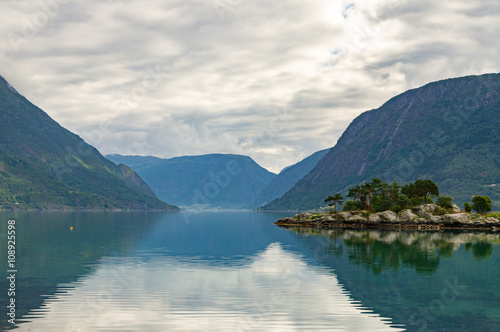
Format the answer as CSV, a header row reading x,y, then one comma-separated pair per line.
x,y
447,131
44,166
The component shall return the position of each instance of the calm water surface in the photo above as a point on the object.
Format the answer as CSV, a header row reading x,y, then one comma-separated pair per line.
x,y
236,271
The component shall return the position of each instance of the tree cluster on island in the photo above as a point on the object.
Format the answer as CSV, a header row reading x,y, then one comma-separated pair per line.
x,y
378,196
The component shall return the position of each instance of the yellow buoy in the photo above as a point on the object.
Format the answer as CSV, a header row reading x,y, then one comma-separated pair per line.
x,y
71,228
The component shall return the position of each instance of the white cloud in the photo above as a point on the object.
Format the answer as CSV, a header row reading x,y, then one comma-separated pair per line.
x,y
177,79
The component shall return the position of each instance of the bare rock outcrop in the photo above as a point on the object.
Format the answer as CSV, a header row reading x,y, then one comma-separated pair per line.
x,y
343,216
462,218
357,219
406,215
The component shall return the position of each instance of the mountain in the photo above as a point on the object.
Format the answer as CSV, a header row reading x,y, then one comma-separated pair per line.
x,y
447,131
219,181
44,166
288,177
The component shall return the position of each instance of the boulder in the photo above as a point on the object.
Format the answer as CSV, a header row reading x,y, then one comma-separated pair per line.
x,y
406,215
357,219
493,220
436,219
342,216
426,210
388,216
302,217
456,209
462,218
325,218
374,218
426,215
287,221
479,222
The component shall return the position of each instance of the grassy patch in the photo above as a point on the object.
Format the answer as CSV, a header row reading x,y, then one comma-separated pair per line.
x,y
494,215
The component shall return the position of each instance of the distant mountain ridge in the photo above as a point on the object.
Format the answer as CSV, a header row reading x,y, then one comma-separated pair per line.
x,y
214,181
44,166
447,131
184,184
288,177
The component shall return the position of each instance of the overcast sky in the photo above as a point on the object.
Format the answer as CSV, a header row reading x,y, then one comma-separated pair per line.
x,y
275,80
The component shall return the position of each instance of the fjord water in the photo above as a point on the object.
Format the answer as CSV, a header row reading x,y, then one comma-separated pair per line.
x,y
218,271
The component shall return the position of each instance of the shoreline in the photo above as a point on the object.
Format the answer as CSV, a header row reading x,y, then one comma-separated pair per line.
x,y
419,218
415,227
87,210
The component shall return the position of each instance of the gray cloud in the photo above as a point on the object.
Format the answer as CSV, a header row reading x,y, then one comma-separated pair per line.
x,y
276,81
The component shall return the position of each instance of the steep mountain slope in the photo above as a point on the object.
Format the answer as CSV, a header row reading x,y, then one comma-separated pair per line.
x,y
221,181
44,166
448,131
288,177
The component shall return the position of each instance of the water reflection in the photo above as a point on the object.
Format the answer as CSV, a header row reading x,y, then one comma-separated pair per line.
x,y
426,281
230,271
480,250
172,272
383,250
57,248
275,291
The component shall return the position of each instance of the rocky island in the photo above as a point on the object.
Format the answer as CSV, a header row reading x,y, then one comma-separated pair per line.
x,y
423,217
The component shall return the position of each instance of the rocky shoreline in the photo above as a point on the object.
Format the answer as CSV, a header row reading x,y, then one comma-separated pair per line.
x,y
424,217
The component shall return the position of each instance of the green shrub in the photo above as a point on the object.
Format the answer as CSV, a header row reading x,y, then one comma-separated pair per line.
x,y
445,202
403,201
379,204
416,201
482,204
440,211
351,206
334,200
467,207
396,208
